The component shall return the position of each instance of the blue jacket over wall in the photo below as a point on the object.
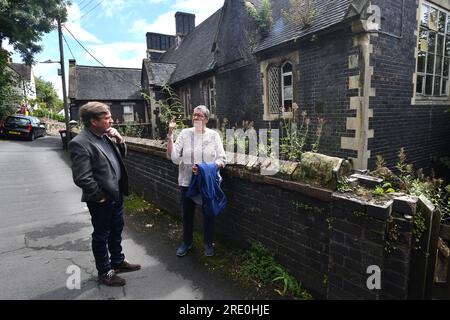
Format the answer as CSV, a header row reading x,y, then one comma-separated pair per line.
x,y
207,184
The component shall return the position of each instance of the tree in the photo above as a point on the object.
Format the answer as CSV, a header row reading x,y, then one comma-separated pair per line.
x,y
24,22
9,98
46,95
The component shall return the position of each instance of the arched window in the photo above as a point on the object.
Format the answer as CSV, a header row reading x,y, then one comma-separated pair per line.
x,y
286,86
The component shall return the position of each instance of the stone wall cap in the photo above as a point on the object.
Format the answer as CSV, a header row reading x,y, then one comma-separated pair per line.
x,y
427,203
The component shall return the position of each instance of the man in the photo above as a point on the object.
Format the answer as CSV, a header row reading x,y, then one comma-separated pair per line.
x,y
98,169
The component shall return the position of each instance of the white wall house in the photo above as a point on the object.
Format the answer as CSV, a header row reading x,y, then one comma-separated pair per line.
x,y
26,85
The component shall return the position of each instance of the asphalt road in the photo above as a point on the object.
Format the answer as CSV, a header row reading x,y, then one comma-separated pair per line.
x,y
45,234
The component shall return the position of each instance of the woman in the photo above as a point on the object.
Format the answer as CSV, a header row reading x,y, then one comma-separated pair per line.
x,y
194,146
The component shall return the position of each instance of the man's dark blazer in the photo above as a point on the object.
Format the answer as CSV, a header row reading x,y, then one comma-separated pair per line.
x,y
92,170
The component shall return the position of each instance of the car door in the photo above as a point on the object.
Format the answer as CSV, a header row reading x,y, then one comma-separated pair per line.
x,y
38,127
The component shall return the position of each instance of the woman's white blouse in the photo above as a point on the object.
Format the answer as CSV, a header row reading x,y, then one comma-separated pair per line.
x,y
191,147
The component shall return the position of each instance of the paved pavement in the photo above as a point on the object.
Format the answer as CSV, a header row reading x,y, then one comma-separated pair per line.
x,y
45,230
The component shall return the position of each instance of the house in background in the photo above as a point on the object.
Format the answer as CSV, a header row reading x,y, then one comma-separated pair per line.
x,y
117,87
25,83
376,71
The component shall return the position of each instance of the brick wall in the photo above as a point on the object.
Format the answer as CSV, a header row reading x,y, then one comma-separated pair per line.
x,y
422,130
325,239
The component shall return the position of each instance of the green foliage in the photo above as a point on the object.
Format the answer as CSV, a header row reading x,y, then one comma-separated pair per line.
x,y
9,99
392,236
383,189
130,130
44,113
134,204
290,284
293,140
301,12
343,185
432,188
24,23
262,17
171,109
258,263
419,228
379,163
46,95
406,172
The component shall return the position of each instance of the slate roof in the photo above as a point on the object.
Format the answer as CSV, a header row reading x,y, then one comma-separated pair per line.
x,y
194,55
106,83
327,13
22,70
158,73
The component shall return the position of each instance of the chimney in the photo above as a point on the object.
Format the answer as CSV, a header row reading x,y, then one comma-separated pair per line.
x,y
184,22
72,79
157,44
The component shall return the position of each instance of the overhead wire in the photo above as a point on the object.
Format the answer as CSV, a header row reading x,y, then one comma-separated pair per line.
x,y
90,1
116,74
91,9
67,44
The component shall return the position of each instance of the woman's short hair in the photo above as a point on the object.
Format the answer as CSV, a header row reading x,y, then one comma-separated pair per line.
x,y
93,110
204,110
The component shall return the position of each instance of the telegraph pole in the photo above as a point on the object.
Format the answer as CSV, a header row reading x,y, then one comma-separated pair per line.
x,y
63,76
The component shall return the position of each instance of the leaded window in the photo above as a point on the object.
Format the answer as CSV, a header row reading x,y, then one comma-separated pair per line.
x,y
433,51
274,89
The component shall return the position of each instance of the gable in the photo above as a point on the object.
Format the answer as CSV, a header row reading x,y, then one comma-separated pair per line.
x,y
194,55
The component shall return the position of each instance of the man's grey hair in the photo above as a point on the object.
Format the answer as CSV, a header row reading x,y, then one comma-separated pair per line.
x,y
92,110
203,109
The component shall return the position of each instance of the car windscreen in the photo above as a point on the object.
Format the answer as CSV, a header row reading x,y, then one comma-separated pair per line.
x,y
18,121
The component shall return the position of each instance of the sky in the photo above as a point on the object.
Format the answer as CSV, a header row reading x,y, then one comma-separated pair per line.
x,y
113,31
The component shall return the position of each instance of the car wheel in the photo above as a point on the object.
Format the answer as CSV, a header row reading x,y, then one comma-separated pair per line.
x,y
32,136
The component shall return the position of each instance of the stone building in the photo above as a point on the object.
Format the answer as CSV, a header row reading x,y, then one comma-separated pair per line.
x,y
375,71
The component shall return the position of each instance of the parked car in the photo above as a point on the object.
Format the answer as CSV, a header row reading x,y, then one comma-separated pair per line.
x,y
23,126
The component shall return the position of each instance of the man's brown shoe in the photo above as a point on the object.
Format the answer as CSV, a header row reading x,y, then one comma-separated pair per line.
x,y
125,266
111,279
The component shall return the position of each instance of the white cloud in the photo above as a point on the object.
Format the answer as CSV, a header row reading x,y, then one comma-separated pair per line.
x,y
198,7
157,1
81,34
118,54
49,72
165,23
8,47
74,25
113,7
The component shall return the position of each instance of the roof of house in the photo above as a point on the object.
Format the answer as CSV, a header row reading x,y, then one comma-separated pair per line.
x,y
23,70
194,55
158,73
326,14
106,83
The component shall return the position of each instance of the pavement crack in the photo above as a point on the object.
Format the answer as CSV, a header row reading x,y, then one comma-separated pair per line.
x,y
4,252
